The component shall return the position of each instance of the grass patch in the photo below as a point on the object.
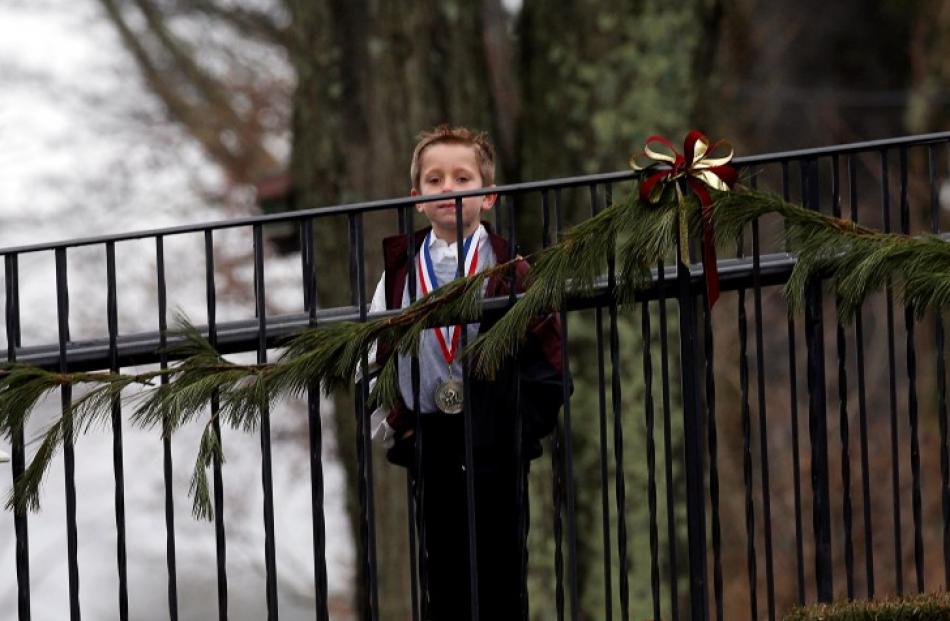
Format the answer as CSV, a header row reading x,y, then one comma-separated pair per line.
x,y
927,607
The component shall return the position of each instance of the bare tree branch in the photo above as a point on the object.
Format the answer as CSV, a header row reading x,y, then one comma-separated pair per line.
x,y
248,22
183,59
194,98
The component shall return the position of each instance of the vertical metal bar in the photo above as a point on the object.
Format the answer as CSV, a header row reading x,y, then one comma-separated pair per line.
x,y
414,482
557,457
862,404
817,415
167,470
364,441
793,415
617,404
112,313
941,379
569,474
267,477
747,475
843,426
219,535
405,229
545,220
20,519
415,582
763,422
69,459
416,485
498,220
911,357
569,496
513,250
521,500
673,560
713,445
605,500
602,424
315,432
693,447
892,385
647,337
469,430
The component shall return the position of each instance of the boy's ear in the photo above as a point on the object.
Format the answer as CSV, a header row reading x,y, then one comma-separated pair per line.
x,y
488,201
415,192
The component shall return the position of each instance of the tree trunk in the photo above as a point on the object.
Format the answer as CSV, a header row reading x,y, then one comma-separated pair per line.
x,y
598,78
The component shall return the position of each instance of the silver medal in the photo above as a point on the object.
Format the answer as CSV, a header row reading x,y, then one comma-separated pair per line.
x,y
449,396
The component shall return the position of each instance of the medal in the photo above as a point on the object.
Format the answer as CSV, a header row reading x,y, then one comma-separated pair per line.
x,y
449,396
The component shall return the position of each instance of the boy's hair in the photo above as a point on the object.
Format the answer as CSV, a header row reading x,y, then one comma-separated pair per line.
x,y
444,134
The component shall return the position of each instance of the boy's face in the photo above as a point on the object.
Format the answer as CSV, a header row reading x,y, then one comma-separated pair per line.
x,y
450,167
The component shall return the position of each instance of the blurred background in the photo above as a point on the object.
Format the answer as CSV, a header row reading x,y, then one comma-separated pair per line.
x,y
118,115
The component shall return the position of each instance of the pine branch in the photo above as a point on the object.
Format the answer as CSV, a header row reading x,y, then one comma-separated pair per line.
x,y
109,389
650,237
79,417
21,388
209,448
858,260
386,390
25,495
203,374
571,265
331,355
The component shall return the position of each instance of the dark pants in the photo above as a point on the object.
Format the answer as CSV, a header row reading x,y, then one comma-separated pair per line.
x,y
501,518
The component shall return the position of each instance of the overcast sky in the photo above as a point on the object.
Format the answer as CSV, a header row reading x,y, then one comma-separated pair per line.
x,y
85,151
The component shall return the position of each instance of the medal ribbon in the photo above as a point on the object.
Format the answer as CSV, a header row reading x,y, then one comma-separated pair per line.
x,y
448,337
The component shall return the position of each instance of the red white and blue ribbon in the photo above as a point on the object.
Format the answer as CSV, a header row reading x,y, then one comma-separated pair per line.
x,y
448,337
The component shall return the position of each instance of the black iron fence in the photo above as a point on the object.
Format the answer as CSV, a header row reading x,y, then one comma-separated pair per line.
x,y
787,458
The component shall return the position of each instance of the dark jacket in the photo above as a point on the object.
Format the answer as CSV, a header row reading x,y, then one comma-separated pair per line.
x,y
496,403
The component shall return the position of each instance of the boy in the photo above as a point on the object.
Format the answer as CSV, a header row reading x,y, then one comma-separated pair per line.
x,y
526,393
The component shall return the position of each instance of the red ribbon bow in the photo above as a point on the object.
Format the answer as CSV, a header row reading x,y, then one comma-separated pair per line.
x,y
698,167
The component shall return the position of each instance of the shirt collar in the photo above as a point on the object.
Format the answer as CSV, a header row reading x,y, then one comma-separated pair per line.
x,y
440,249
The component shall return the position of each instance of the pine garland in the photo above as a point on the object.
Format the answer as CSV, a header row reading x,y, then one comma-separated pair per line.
x,y
638,235
21,388
856,259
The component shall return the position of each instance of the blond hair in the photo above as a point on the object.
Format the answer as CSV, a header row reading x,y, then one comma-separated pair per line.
x,y
445,134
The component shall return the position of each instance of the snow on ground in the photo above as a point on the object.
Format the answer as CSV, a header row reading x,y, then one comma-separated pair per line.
x,y
84,151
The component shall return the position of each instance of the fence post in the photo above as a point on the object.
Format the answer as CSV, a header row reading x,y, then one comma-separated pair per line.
x,y
817,414
693,445
20,522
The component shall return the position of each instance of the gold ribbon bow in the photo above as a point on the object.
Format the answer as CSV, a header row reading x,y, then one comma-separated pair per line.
x,y
701,170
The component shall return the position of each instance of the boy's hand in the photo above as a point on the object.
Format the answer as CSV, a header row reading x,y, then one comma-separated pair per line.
x,y
402,420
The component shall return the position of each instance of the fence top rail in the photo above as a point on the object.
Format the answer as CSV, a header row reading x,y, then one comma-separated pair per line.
x,y
514,188
845,149
244,335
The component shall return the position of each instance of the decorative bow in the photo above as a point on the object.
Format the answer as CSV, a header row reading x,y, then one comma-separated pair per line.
x,y
700,170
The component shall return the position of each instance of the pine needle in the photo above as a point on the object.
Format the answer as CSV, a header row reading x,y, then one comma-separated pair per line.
x,y
21,388
858,260
209,448
25,495
572,265
199,377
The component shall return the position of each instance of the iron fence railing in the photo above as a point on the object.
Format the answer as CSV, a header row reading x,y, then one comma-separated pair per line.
x,y
741,431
